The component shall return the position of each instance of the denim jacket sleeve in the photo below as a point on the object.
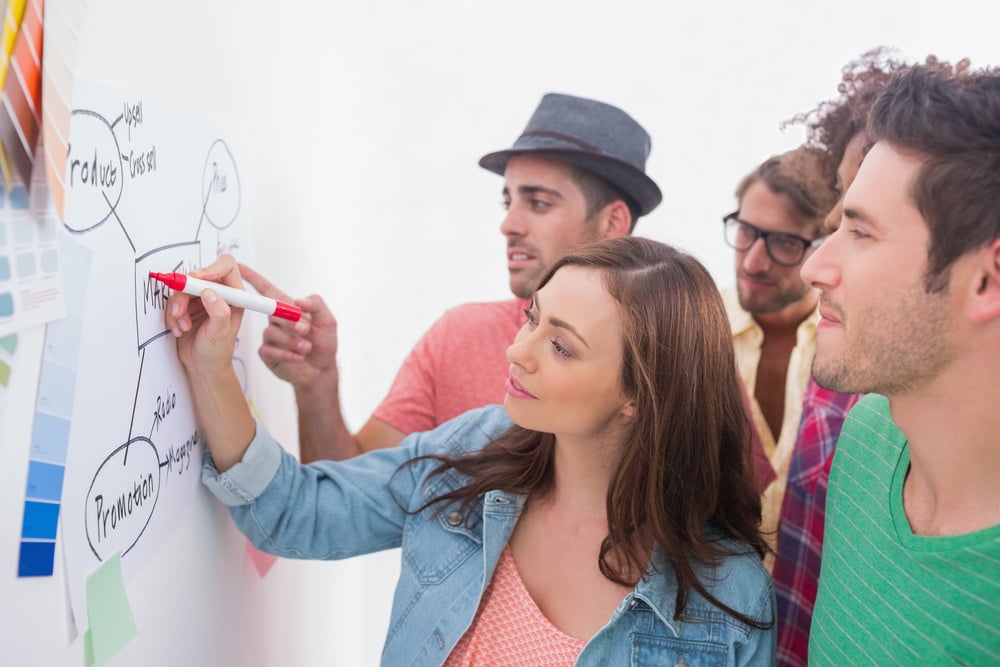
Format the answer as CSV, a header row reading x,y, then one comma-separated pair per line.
x,y
338,509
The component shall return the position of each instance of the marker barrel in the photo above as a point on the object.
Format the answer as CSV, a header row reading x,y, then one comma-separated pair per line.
x,y
234,297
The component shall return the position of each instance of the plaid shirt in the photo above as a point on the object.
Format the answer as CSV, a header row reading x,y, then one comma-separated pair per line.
x,y
800,530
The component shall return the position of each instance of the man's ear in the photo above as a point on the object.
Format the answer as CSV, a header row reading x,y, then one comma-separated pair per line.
x,y
616,220
984,301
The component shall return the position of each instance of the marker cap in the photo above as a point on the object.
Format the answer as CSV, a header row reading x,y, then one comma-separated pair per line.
x,y
287,312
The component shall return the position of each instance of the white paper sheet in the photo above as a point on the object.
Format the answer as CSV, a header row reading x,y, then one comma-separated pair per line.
x,y
150,186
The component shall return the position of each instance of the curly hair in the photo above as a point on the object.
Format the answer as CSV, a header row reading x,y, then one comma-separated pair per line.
x,y
833,123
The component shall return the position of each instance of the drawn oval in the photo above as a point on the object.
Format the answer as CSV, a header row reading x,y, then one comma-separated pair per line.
x,y
122,498
220,186
93,173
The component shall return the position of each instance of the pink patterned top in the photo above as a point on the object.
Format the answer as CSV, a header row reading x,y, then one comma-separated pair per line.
x,y
509,629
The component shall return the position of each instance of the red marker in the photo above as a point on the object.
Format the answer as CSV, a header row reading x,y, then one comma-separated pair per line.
x,y
234,297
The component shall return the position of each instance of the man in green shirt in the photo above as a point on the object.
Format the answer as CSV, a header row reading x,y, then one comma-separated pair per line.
x,y
910,309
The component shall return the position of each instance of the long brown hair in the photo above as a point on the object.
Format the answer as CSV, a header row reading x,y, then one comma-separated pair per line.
x,y
685,473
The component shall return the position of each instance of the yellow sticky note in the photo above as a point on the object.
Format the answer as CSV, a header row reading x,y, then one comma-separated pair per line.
x,y
108,613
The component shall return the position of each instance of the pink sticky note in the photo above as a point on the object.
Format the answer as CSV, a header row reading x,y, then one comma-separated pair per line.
x,y
261,561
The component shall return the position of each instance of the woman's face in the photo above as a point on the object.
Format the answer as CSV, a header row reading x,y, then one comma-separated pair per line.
x,y
565,363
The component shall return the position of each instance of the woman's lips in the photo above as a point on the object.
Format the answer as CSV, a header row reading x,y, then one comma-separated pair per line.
x,y
515,390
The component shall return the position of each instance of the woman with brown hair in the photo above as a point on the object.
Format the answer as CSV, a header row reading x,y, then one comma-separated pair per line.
x,y
606,514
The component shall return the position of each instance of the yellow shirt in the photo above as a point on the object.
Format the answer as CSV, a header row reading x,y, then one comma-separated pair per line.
x,y
747,340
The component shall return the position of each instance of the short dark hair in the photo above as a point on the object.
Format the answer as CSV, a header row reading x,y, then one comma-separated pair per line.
x,y
598,192
806,176
952,123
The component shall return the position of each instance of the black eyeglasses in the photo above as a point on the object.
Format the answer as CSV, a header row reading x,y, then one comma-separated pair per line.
x,y
784,249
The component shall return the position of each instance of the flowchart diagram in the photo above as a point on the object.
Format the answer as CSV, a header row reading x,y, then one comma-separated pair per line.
x,y
150,186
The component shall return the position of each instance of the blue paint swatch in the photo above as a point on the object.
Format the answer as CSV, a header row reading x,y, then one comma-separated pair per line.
x,y
40,520
55,390
49,438
26,264
19,197
6,304
45,481
36,559
4,268
24,231
50,261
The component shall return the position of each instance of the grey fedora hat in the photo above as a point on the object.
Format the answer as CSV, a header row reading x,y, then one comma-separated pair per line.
x,y
592,135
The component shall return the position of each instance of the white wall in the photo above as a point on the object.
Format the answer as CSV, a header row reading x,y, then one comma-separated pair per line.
x,y
370,119
394,103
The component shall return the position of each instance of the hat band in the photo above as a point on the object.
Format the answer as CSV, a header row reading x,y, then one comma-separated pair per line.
x,y
564,137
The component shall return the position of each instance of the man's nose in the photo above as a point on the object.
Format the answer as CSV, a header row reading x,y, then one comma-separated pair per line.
x,y
755,258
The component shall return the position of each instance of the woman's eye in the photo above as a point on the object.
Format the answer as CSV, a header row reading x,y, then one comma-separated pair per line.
x,y
530,315
562,351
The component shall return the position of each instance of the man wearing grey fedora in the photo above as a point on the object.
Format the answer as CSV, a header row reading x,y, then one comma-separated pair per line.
x,y
576,173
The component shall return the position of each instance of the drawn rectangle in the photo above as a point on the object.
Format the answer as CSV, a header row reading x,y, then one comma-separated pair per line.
x,y
151,295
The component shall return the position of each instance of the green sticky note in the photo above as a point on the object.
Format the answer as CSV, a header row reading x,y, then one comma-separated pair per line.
x,y
88,650
9,343
108,611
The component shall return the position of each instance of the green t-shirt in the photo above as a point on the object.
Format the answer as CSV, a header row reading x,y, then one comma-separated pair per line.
x,y
887,596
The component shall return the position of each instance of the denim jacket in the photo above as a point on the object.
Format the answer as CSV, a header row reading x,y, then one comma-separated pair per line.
x,y
332,510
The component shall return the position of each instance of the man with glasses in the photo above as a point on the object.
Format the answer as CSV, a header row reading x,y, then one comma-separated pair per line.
x,y
772,311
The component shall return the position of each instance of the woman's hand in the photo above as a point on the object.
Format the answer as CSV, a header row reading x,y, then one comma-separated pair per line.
x,y
206,327
206,330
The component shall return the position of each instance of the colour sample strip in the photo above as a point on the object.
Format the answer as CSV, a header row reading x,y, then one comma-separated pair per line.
x,y
50,431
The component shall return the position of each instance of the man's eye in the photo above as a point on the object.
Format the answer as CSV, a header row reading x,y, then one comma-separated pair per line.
x,y
785,242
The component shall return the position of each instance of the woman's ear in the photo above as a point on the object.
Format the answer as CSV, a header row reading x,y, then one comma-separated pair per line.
x,y
628,410
984,301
